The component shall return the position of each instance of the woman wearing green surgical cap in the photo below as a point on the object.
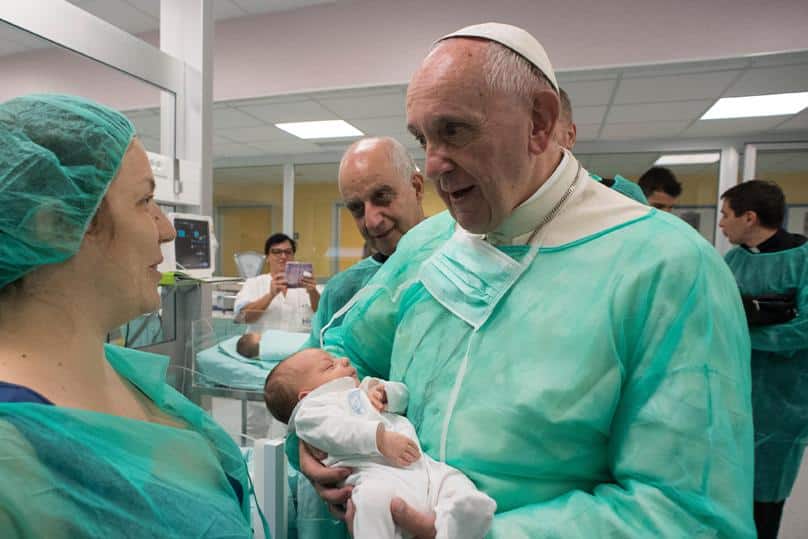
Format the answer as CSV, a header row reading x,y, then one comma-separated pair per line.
x,y
93,442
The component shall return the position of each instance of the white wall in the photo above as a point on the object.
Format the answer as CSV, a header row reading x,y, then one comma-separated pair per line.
x,y
378,42
56,70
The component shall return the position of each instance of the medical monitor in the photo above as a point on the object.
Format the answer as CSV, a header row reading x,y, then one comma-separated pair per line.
x,y
192,252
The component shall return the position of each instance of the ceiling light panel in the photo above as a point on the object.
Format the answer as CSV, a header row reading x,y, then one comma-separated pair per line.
x,y
321,130
755,106
687,159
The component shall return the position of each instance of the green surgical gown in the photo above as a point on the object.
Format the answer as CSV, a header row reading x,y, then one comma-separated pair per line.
x,y
626,187
779,368
338,291
76,473
313,519
607,394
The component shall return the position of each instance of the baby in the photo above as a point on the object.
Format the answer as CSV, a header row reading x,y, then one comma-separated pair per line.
x,y
357,425
248,345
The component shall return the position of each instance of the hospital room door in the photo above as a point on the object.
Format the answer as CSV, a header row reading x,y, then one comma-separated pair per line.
x,y
241,228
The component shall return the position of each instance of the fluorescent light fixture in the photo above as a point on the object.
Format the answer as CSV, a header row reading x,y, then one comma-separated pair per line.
x,y
687,159
325,129
754,106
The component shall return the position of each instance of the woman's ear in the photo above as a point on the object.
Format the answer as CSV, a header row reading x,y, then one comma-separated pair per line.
x,y
544,112
101,223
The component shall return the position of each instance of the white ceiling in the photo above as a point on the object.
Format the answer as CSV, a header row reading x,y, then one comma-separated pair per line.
x,y
620,105
628,104
140,16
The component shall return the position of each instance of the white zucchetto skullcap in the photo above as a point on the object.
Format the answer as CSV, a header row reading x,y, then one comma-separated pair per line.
x,y
516,39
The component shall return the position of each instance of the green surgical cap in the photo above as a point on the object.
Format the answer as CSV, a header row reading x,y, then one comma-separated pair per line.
x,y
58,155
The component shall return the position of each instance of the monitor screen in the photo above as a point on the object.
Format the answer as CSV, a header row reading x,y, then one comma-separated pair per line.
x,y
192,244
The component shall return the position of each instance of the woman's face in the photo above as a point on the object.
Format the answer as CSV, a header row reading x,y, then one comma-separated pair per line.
x,y
127,237
278,255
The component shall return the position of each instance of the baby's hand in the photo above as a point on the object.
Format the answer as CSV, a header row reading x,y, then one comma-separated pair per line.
x,y
396,448
378,397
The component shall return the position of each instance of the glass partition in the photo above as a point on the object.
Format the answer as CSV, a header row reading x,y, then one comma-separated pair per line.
x,y
327,234
324,230
248,208
31,64
789,170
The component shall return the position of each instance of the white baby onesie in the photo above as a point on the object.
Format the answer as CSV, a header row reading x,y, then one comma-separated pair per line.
x,y
339,419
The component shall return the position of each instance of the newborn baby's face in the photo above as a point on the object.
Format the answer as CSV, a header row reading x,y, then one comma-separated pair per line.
x,y
319,367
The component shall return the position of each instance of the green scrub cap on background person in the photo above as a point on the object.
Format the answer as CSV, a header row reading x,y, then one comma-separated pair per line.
x,y
58,155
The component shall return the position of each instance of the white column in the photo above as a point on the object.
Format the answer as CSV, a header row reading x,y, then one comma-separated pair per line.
x,y
727,177
289,199
749,162
186,32
271,486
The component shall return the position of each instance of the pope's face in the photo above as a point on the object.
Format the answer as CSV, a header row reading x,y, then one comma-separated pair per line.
x,y
476,140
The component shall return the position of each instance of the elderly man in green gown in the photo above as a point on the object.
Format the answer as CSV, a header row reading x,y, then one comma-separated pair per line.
x,y
382,188
592,384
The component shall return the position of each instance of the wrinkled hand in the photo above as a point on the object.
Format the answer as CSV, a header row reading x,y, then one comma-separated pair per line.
x,y
350,512
378,397
325,479
419,525
278,284
398,449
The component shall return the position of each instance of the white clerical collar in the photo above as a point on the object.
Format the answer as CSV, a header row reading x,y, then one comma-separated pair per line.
x,y
526,217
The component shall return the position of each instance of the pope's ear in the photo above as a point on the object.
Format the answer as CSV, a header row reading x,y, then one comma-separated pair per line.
x,y
544,113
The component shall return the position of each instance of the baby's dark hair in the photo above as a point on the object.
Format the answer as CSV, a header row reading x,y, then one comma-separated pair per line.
x,y
280,390
246,347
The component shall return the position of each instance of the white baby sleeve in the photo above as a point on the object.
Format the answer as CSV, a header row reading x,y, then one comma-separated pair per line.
x,y
328,427
398,397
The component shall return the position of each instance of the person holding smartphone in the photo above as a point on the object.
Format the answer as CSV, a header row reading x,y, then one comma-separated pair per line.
x,y
268,302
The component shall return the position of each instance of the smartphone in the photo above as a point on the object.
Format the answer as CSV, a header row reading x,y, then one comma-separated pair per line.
x,y
295,271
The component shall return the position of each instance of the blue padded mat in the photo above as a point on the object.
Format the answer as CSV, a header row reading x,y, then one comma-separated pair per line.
x,y
222,365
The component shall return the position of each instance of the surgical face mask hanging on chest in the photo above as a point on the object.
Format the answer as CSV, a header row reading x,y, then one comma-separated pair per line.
x,y
469,276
